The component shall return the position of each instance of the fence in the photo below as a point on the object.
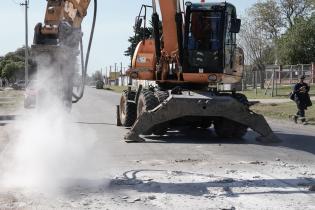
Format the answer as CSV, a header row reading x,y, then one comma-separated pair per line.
x,y
274,76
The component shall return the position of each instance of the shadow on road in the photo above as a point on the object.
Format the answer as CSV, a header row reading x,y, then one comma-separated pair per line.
x,y
96,123
132,182
201,136
7,117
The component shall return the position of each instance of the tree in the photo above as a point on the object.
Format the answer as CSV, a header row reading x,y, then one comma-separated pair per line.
x,y
139,35
271,19
292,9
297,45
256,46
97,76
12,69
267,16
12,64
142,33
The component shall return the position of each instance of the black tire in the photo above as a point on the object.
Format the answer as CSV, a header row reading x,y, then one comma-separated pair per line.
x,y
146,102
127,109
205,124
118,121
225,128
240,131
161,95
160,130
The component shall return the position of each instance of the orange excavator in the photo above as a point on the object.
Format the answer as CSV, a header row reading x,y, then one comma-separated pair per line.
x,y
56,46
179,69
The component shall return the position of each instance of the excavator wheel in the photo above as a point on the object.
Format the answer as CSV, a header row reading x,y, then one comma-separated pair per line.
x,y
225,128
205,124
146,102
161,95
127,109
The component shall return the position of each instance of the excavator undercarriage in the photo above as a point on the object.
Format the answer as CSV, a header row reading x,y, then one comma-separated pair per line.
x,y
156,112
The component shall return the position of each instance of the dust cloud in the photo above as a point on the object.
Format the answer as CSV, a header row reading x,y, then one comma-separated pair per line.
x,y
46,146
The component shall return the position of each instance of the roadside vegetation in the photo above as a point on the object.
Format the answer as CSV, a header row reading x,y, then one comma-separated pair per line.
x,y
12,65
10,100
116,89
283,111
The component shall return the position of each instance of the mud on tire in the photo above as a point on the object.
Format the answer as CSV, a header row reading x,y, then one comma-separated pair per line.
x,y
161,95
128,109
146,102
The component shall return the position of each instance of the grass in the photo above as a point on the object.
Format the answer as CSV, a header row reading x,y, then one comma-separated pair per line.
x,y
116,89
10,100
283,92
283,111
12,93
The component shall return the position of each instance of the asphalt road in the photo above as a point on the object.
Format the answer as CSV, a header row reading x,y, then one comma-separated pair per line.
x,y
194,170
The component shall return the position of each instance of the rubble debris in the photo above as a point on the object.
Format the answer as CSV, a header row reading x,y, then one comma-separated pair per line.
x,y
230,171
151,197
257,162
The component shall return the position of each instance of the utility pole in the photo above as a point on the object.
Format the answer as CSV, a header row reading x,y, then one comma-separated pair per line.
x,y
116,74
121,74
26,3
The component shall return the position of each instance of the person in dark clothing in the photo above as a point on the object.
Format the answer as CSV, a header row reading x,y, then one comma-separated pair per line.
x,y
302,99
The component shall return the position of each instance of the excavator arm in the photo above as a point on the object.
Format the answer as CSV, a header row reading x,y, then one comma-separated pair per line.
x,y
56,46
62,22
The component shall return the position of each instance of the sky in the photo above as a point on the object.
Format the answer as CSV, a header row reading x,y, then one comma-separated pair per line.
x,y
115,20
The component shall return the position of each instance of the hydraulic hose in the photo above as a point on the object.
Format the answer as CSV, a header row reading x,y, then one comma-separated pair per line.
x,y
84,63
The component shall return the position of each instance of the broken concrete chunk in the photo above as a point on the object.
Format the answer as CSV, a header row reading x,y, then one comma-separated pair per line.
x,y
151,197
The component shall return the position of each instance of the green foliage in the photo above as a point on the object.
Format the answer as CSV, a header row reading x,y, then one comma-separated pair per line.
x,y
139,35
11,68
142,33
297,45
279,30
12,65
267,17
97,76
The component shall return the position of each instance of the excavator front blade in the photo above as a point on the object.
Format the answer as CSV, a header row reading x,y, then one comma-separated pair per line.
x,y
204,105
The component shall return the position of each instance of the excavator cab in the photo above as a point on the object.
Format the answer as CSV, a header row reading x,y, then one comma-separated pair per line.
x,y
210,34
205,43
197,46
